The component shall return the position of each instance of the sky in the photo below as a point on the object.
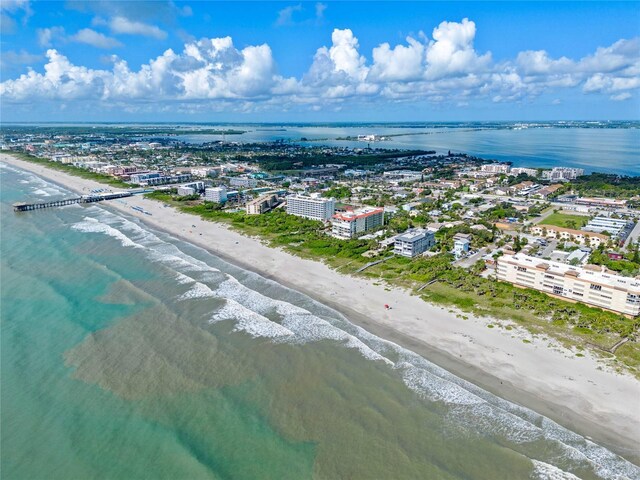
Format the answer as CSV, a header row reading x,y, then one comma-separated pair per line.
x,y
310,61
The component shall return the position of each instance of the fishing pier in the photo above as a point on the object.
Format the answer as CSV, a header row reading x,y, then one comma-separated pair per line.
x,y
26,207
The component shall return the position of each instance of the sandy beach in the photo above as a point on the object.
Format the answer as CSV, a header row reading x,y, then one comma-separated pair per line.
x,y
576,392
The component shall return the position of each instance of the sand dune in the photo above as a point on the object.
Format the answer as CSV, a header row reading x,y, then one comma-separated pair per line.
x,y
576,392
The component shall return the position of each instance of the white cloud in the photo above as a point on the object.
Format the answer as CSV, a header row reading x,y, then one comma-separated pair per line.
x,y
444,69
122,25
621,97
207,69
47,36
400,63
285,16
96,39
299,15
9,10
320,8
452,52
339,65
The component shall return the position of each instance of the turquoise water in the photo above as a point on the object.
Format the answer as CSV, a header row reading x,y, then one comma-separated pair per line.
x,y
128,354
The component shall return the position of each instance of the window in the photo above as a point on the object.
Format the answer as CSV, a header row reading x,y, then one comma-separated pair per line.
x,y
595,287
521,269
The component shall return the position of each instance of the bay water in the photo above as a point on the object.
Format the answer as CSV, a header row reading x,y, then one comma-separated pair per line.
x,y
129,354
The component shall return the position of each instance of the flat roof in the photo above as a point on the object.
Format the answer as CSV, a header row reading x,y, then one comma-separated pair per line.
x,y
590,273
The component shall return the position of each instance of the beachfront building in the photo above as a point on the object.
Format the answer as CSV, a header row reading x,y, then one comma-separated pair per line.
x,y
413,242
351,224
215,194
590,239
184,191
590,285
315,208
190,188
156,178
615,227
262,204
461,244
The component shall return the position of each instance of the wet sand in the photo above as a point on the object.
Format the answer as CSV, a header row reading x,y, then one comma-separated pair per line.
x,y
576,392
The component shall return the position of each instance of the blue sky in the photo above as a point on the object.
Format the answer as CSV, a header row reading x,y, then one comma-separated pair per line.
x,y
319,61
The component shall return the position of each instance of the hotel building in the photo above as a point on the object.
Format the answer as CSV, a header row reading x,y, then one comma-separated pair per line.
x,y
315,208
589,285
351,224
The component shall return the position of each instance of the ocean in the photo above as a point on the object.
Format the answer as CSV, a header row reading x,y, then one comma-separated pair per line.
x,y
608,150
128,354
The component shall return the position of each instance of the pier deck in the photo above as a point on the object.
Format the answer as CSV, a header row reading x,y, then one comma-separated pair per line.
x,y
25,207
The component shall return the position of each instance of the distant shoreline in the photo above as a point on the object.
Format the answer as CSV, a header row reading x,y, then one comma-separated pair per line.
x,y
574,392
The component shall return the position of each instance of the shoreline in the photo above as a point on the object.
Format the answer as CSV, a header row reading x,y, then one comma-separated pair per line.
x,y
574,392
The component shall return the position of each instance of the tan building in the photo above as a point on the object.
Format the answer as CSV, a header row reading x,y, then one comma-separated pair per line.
x,y
589,285
579,236
262,204
548,190
351,224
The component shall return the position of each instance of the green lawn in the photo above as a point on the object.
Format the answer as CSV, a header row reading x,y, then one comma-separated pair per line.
x,y
566,221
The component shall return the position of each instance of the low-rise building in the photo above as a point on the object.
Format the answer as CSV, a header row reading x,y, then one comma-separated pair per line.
x,y
590,285
413,242
546,191
315,208
579,236
461,242
600,202
613,226
352,224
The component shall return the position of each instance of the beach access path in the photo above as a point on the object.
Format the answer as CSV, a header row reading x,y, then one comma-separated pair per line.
x,y
576,392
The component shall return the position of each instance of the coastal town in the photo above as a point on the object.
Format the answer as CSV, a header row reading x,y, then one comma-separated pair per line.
x,y
423,219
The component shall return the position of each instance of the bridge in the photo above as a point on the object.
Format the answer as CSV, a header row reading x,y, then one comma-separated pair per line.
x,y
25,207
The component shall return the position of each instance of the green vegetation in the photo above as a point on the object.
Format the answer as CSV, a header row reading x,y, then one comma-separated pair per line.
x,y
73,170
607,185
566,221
338,192
629,265
437,280
286,163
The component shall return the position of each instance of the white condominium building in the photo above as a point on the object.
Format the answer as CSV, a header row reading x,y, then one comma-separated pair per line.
x,y
532,172
351,224
496,168
413,242
562,173
315,208
215,194
588,285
